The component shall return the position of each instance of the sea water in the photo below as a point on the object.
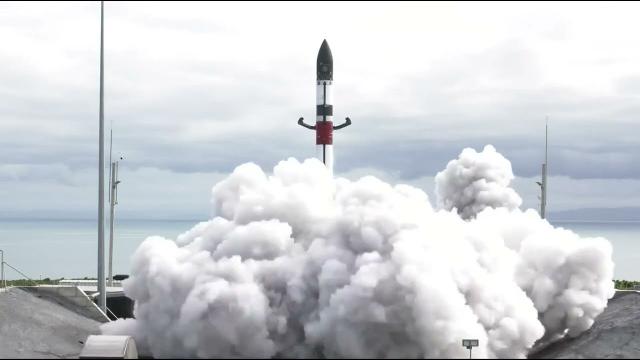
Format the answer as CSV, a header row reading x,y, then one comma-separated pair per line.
x,y
68,248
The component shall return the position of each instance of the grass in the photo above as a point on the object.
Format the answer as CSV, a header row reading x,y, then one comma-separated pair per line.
x,y
45,281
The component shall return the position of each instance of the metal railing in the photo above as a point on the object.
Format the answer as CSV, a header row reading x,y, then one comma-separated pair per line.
x,y
111,312
93,298
19,272
3,279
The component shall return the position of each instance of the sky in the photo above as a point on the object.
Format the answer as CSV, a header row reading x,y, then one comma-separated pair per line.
x,y
193,90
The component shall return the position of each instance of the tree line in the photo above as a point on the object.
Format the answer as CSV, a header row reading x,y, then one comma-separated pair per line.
x,y
625,284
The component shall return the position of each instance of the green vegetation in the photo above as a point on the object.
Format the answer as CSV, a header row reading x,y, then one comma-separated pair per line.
x,y
625,284
45,281
26,282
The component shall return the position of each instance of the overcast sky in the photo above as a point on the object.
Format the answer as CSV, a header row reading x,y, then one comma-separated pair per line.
x,y
194,89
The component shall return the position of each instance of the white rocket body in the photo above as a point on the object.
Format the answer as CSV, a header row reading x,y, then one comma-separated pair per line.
x,y
324,108
324,141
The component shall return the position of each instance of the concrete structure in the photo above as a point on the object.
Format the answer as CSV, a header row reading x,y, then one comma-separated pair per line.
x,y
72,298
80,282
41,325
118,305
109,347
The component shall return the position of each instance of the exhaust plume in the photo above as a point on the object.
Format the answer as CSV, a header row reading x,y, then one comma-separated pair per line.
x,y
475,181
301,264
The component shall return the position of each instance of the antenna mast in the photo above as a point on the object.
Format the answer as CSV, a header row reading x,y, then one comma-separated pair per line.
x,y
543,184
113,201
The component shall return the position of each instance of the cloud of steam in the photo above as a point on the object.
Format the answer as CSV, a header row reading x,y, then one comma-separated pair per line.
x,y
299,264
475,181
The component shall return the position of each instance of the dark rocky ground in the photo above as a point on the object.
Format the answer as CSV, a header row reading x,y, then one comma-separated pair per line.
x,y
614,335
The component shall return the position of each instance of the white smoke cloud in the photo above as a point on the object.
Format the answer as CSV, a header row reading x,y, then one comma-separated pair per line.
x,y
299,264
475,181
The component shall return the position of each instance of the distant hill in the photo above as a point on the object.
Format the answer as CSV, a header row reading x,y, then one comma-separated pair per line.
x,y
597,214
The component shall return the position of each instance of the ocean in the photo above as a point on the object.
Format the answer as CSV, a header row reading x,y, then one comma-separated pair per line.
x,y
67,248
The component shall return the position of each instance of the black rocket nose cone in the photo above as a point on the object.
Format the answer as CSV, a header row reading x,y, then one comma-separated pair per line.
x,y
325,62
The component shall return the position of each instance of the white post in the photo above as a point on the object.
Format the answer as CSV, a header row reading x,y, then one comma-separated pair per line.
x,y
102,295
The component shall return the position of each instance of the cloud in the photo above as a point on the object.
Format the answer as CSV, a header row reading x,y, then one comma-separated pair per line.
x,y
57,191
191,88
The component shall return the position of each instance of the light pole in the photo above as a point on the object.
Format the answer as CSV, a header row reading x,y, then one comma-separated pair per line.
x,y
102,295
469,344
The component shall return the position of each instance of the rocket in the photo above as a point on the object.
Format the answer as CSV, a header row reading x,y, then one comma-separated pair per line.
x,y
324,107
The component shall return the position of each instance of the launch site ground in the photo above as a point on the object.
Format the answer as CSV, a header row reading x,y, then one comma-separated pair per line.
x,y
41,327
614,335
33,325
